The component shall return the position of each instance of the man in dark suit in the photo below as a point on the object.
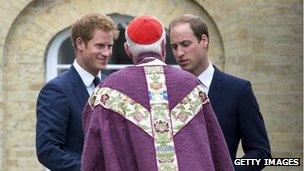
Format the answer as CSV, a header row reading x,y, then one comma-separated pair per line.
x,y
232,98
59,133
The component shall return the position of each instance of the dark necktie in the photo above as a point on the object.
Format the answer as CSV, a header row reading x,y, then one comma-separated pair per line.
x,y
96,81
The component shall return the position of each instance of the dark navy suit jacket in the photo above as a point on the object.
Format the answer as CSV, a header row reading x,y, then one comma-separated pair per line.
x,y
238,114
59,133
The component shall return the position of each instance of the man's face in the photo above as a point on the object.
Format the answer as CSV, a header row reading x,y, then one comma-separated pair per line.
x,y
94,56
190,53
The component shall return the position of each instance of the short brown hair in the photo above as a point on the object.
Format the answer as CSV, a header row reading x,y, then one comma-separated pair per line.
x,y
197,25
86,25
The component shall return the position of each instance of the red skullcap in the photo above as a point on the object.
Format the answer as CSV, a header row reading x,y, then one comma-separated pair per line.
x,y
145,30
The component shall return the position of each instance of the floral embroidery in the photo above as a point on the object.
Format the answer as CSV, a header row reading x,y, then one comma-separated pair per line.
x,y
138,117
104,98
161,126
185,100
182,117
123,105
165,155
164,95
203,97
160,114
183,112
92,99
156,85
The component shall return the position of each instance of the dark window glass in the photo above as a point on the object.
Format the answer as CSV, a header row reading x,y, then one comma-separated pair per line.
x,y
66,53
119,55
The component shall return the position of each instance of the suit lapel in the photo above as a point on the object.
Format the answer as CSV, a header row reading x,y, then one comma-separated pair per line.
x,y
215,88
79,88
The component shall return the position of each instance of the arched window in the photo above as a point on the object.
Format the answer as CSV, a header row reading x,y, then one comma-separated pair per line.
x,y
61,55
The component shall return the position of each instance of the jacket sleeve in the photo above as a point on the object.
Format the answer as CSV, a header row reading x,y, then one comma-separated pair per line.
x,y
51,127
219,149
255,142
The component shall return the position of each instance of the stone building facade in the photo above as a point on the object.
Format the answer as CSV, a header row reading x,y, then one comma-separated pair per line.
x,y
261,41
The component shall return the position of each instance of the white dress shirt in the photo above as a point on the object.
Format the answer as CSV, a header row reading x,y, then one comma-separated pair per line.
x,y
86,77
206,77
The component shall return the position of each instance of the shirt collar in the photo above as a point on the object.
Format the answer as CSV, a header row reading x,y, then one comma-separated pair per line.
x,y
206,76
86,77
153,62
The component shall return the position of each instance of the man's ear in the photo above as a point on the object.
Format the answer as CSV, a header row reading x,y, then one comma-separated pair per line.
x,y
204,41
127,50
163,51
80,45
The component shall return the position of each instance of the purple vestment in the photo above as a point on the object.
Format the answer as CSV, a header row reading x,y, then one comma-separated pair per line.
x,y
115,140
